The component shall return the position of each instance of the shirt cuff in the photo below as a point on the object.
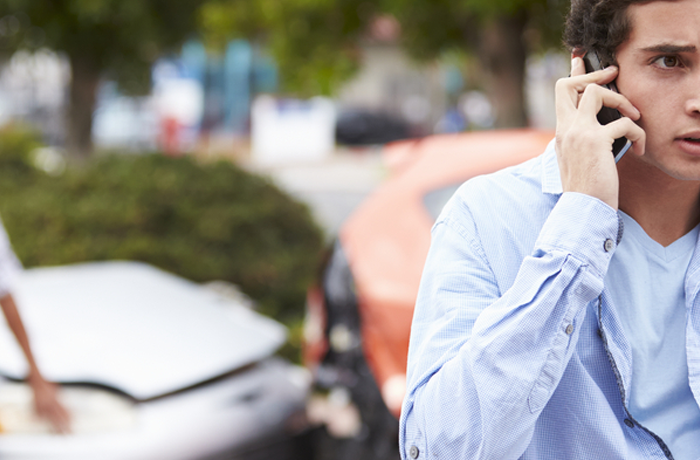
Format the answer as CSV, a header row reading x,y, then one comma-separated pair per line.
x,y
583,226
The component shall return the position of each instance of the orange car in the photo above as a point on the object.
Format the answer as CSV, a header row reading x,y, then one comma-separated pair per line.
x,y
359,316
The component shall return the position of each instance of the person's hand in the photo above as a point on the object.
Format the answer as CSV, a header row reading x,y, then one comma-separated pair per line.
x,y
583,145
46,404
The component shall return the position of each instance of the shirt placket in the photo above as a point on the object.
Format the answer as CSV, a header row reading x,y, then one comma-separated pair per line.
x,y
693,326
629,421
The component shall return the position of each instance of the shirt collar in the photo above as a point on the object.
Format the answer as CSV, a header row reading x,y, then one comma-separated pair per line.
x,y
551,179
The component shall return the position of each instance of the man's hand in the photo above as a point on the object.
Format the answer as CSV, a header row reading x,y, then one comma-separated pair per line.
x,y
46,404
584,146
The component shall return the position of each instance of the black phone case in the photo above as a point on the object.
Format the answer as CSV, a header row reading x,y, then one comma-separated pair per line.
x,y
606,114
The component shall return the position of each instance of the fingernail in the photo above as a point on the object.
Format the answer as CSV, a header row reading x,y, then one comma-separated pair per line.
x,y
610,68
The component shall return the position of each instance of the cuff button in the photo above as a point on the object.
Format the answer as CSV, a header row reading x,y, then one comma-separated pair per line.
x,y
609,245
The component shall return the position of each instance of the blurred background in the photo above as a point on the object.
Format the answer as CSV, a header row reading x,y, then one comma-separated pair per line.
x,y
201,157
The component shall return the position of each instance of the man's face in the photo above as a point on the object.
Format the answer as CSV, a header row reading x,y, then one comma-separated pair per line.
x,y
660,75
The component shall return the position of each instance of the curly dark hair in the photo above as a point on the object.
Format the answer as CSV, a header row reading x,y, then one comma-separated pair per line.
x,y
598,25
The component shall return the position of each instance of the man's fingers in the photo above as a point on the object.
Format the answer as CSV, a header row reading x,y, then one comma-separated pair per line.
x,y
625,127
577,66
580,82
595,97
568,90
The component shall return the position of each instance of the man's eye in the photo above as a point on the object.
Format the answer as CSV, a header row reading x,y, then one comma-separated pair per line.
x,y
668,62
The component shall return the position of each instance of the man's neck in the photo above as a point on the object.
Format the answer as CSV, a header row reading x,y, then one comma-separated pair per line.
x,y
665,207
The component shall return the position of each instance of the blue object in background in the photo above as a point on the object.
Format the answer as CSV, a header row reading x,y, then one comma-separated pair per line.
x,y
452,79
194,61
238,61
265,77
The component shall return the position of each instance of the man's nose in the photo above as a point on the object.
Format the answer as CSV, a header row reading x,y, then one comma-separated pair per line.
x,y
693,102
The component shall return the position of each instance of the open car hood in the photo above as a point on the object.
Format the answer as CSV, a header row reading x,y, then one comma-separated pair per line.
x,y
132,327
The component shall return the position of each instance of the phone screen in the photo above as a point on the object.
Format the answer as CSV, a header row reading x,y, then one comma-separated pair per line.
x,y
606,114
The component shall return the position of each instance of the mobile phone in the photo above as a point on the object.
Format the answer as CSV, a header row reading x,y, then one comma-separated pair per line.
x,y
606,114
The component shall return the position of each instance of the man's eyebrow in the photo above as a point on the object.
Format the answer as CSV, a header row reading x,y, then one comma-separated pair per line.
x,y
667,48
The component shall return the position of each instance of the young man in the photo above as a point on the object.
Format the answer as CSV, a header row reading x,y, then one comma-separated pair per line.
x,y
46,404
559,312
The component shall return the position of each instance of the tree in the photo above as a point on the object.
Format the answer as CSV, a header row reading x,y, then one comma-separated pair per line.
x,y
115,38
314,42
493,30
318,40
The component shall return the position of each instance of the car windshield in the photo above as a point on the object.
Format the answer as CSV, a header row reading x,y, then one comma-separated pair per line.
x,y
435,200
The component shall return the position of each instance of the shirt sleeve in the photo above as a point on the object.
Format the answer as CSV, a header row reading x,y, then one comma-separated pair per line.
x,y
10,266
483,364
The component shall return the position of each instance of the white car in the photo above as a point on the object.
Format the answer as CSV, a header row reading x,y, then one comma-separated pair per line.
x,y
153,367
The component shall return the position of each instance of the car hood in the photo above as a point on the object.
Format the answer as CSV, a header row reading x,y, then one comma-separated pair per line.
x,y
132,327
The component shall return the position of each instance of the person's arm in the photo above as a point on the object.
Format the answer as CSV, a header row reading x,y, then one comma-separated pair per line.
x,y
46,402
483,363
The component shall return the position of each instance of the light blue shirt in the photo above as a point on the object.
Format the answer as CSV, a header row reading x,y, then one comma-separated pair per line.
x,y
653,319
517,350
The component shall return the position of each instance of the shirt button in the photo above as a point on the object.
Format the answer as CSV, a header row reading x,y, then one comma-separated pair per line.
x,y
413,452
609,245
629,423
569,329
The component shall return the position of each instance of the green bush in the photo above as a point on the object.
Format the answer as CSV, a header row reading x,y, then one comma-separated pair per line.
x,y
204,222
17,142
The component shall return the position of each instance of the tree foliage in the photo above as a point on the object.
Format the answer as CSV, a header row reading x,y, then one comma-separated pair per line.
x,y
500,33
120,37
315,42
116,38
432,27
